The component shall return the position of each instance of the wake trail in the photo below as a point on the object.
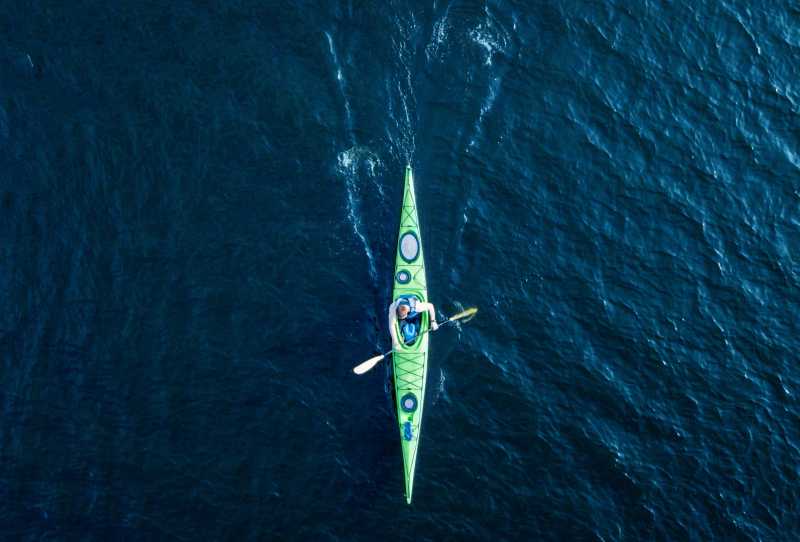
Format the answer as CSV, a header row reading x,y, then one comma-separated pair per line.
x,y
400,90
349,161
494,39
348,114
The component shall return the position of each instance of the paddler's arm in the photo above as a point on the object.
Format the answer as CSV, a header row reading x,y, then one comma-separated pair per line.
x,y
392,326
424,306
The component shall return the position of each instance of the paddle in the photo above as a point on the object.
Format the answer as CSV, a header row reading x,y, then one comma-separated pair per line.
x,y
372,362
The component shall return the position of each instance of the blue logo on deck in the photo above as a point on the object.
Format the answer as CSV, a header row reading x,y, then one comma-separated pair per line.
x,y
407,431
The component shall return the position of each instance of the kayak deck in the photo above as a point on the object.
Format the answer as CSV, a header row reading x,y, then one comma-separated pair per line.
x,y
410,362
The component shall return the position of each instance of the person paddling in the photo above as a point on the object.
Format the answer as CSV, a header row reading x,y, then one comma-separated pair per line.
x,y
408,310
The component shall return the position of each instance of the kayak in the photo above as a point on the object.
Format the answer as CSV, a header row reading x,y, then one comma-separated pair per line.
x,y
410,362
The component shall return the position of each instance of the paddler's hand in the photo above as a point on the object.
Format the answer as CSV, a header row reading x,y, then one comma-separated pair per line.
x,y
434,326
395,345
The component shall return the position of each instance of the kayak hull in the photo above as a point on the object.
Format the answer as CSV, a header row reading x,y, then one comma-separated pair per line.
x,y
410,362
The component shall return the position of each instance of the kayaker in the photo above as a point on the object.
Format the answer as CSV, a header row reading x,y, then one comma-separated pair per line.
x,y
408,309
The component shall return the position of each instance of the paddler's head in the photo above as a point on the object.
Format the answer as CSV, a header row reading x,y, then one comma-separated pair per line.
x,y
402,311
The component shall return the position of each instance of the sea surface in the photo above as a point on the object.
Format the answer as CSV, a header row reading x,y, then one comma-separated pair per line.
x,y
198,216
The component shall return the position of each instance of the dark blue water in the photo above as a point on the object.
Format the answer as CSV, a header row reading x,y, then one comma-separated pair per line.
x,y
198,213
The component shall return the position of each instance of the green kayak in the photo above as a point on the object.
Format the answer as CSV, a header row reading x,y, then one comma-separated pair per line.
x,y
411,361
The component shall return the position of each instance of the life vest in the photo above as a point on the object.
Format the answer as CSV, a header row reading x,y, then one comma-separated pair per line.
x,y
409,330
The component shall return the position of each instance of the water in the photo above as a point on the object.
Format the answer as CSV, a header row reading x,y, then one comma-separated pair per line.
x,y
198,210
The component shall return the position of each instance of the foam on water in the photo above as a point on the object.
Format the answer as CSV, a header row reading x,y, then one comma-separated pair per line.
x,y
438,36
342,87
350,164
491,36
400,86
486,107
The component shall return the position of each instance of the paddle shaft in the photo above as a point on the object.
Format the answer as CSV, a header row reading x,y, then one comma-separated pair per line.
x,y
371,362
443,322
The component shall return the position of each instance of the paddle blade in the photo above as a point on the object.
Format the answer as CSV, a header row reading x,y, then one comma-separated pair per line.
x,y
367,365
469,314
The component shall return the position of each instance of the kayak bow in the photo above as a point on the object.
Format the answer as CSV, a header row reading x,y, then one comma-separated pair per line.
x,y
410,362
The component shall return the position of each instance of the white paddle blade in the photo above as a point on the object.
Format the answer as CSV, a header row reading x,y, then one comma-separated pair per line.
x,y
367,365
